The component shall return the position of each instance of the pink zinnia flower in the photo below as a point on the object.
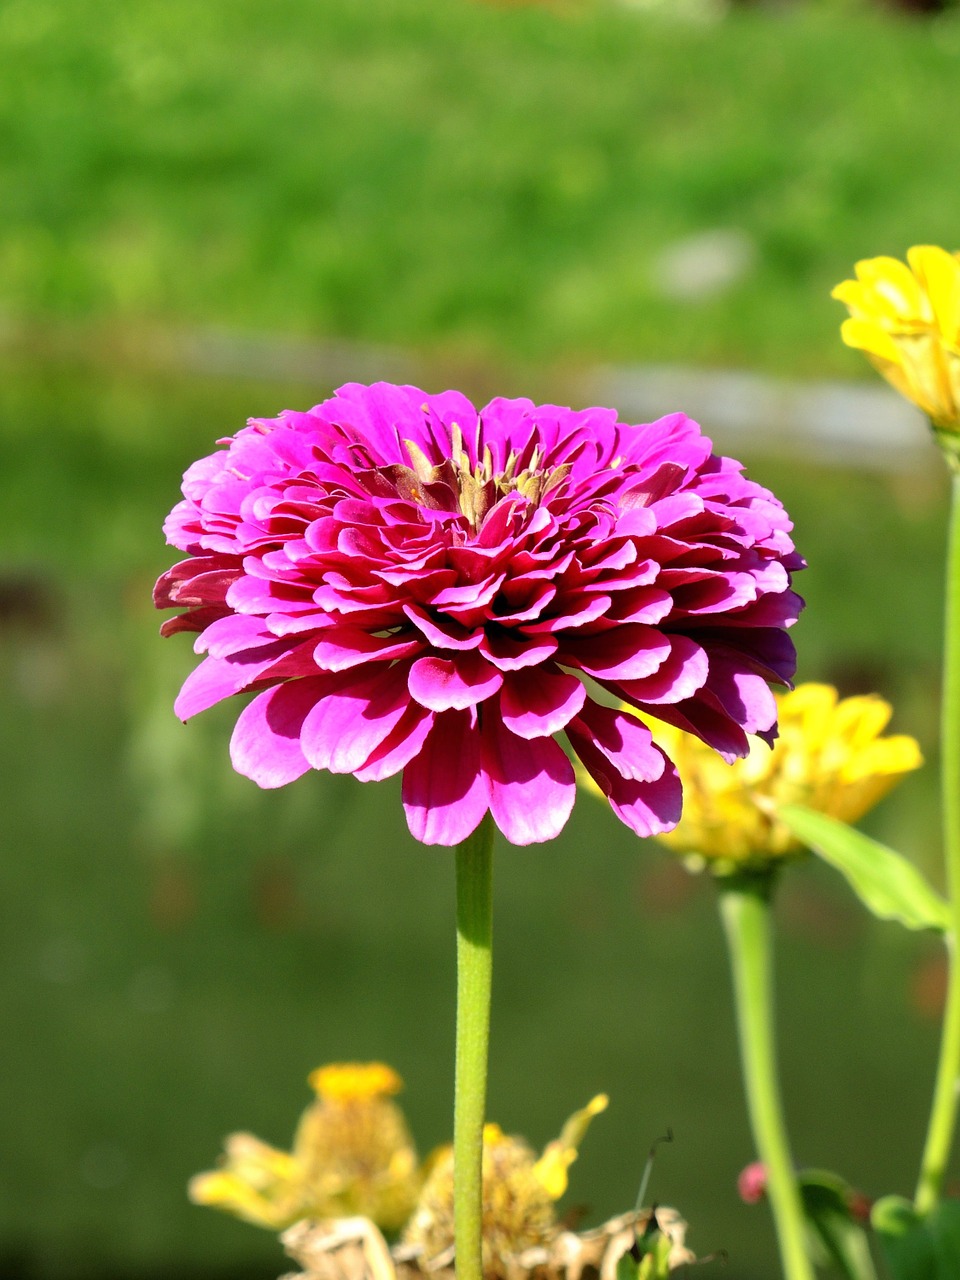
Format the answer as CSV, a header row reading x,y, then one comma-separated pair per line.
x,y
408,584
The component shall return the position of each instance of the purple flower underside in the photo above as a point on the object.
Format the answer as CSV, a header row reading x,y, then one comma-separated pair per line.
x,y
406,584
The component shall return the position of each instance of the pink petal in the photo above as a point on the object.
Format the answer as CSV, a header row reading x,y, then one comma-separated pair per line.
x,y
745,696
399,748
442,632
539,702
703,716
451,684
346,727
266,738
234,635
219,678
629,652
683,673
532,784
344,647
647,808
202,581
445,794
623,740
513,650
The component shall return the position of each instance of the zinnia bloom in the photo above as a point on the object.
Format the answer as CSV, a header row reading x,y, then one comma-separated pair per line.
x,y
831,756
352,1154
907,321
409,585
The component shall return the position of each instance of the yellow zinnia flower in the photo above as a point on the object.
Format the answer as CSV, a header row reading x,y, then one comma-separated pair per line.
x,y
519,1191
830,756
352,1154
906,319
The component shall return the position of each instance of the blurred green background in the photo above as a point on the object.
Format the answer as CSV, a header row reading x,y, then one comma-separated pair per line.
x,y
212,212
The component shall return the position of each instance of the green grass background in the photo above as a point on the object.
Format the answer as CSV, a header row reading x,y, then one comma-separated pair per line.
x,y
489,188
468,176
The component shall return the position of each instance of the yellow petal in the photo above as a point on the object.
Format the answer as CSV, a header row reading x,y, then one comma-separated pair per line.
x,y
864,335
551,1169
894,282
939,274
225,1190
924,364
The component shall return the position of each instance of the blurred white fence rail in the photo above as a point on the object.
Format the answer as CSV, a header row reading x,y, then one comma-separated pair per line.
x,y
844,422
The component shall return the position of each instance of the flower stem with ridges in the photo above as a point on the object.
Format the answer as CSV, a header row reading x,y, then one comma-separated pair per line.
x,y
943,1115
474,956
745,910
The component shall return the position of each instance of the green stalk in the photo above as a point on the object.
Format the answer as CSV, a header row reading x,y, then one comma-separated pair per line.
x,y
474,967
943,1115
745,910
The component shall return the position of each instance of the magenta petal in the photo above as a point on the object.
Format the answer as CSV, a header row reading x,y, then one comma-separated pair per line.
x,y
445,794
745,697
514,650
219,678
445,633
399,748
539,702
703,716
343,730
532,784
234,634
680,677
346,647
266,738
629,652
647,808
451,684
623,740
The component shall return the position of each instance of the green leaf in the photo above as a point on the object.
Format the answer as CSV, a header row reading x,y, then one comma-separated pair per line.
x,y
826,1205
628,1267
944,1224
905,1241
649,1259
884,881
916,1248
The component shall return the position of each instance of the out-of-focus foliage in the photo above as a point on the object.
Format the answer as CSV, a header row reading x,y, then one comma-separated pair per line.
x,y
529,181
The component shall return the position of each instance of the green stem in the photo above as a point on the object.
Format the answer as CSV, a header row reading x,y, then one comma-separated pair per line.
x,y
745,909
474,956
943,1115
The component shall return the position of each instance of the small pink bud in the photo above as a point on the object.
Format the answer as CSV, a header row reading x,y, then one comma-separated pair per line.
x,y
752,1183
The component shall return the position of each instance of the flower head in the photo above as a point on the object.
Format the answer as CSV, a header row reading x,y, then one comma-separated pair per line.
x,y
906,319
352,1154
519,1191
408,585
831,755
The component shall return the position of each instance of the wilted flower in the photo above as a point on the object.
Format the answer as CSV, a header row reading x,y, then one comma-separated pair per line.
x,y
408,585
830,756
352,1154
907,321
519,1191
353,1249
